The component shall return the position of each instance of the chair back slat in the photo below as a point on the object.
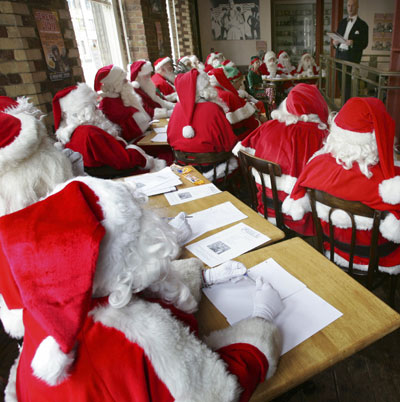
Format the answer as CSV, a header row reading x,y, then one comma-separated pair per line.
x,y
253,167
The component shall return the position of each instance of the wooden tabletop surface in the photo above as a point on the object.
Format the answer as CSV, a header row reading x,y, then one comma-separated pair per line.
x,y
146,140
365,317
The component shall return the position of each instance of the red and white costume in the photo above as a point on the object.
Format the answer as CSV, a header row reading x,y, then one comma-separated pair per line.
x,y
239,112
120,103
163,81
307,66
296,131
198,125
356,164
92,335
285,68
213,60
269,67
80,126
140,77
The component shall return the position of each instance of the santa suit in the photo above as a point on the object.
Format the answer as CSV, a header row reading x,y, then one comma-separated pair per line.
x,y
145,351
380,192
162,84
98,148
133,122
148,104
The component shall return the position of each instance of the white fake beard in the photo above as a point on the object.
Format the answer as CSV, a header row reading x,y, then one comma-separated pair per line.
x,y
210,94
272,68
130,98
169,76
286,64
148,86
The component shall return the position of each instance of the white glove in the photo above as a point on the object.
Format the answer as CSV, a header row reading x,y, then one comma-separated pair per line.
x,y
183,230
158,164
229,270
267,302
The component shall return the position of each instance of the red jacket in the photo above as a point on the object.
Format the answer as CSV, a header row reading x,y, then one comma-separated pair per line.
x,y
162,84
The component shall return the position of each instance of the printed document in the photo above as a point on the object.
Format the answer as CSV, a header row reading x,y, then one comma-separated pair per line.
x,y
227,244
161,137
304,312
191,193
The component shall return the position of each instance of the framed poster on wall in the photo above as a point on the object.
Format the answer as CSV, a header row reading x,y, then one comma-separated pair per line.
x,y
235,19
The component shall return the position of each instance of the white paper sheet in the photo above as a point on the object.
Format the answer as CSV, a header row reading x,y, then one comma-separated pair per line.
x,y
212,218
191,193
161,137
155,183
304,312
160,130
336,36
227,244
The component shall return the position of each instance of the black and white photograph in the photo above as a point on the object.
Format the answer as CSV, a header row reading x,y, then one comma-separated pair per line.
x,y
185,196
235,19
218,247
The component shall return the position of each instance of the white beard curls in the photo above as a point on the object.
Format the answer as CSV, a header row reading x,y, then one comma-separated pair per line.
x,y
287,65
148,86
272,68
210,94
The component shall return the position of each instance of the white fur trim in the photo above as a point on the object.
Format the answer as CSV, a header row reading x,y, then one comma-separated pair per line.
x,y
296,208
262,334
190,370
50,363
143,120
389,190
172,97
140,150
10,393
78,99
188,132
147,68
161,63
239,147
160,113
390,228
24,106
12,320
220,170
25,144
135,84
283,183
342,262
241,114
115,75
189,272
352,137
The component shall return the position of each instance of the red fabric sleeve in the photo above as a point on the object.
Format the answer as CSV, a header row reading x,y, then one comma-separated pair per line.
x,y
263,69
98,148
247,363
162,85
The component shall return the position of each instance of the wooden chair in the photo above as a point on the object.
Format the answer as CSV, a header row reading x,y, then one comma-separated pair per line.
x,y
251,166
374,251
107,172
209,159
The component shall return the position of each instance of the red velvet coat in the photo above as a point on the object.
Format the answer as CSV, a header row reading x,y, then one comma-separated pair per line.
x,y
148,103
291,147
162,84
98,148
122,115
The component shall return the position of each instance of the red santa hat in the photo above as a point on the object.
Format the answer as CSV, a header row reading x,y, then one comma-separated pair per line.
x,y
281,53
184,59
7,103
21,105
268,55
138,68
54,280
211,57
20,137
108,75
360,116
228,63
186,85
217,76
306,99
161,61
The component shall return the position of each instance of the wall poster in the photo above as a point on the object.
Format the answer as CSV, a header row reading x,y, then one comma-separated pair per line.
x,y
235,19
52,44
382,34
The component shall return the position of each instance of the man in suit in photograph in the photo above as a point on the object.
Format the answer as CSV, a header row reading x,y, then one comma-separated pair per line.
x,y
355,31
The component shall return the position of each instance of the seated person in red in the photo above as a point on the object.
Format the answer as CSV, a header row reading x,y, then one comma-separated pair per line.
x,y
108,309
140,77
269,68
164,78
83,128
198,123
356,164
120,103
286,70
213,60
240,114
307,66
297,130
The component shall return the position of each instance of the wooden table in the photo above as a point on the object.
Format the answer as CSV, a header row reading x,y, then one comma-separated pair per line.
x,y
365,317
146,140
256,221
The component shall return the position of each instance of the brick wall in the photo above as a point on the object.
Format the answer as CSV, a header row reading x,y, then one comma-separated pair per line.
x,y
23,69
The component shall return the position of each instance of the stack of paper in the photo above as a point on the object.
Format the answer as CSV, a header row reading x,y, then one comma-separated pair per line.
x,y
155,183
213,218
161,137
227,244
304,312
191,193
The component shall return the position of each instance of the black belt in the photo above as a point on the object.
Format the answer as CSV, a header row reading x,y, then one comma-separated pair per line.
x,y
363,251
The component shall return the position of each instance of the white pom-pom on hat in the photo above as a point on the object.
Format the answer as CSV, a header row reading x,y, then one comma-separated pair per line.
x,y
188,132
